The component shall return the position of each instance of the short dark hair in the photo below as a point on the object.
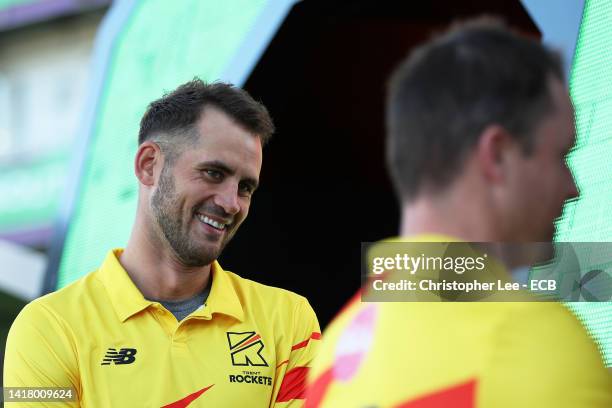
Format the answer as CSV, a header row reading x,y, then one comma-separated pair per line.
x,y
441,98
176,113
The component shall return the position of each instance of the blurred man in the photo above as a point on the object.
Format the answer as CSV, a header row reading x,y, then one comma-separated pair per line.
x,y
161,323
479,125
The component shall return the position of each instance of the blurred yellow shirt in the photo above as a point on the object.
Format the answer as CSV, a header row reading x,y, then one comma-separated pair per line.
x,y
249,345
458,355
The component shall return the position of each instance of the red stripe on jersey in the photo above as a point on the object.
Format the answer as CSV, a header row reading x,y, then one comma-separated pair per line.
x,y
182,403
318,389
284,362
293,385
458,396
314,336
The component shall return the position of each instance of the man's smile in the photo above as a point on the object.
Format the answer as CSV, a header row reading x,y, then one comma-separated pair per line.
x,y
216,224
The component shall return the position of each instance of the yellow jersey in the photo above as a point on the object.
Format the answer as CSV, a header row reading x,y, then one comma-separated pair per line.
x,y
248,345
458,355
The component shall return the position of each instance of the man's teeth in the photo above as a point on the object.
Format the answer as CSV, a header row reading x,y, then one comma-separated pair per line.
x,y
211,222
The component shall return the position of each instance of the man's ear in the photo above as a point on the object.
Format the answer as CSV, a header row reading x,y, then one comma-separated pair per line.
x,y
148,157
493,146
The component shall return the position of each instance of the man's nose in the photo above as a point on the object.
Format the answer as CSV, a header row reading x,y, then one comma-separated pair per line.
x,y
227,198
573,191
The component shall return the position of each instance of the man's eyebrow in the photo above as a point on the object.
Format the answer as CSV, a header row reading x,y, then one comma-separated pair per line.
x,y
219,165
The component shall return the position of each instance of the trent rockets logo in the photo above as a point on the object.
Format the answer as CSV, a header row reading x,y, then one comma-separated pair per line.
x,y
246,349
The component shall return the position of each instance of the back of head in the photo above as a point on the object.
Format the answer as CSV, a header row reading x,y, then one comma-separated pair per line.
x,y
449,90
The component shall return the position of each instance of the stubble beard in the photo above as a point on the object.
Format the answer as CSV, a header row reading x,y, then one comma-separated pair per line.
x,y
167,213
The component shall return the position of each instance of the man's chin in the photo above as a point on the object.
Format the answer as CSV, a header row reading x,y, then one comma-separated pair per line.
x,y
550,236
542,252
211,248
198,256
211,251
546,235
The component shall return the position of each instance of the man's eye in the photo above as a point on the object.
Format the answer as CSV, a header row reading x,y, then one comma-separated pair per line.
x,y
214,174
245,188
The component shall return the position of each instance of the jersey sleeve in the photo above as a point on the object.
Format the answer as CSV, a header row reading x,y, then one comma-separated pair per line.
x,y
563,369
39,353
303,350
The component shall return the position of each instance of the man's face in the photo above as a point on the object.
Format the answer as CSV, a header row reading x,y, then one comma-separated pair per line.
x,y
540,182
202,199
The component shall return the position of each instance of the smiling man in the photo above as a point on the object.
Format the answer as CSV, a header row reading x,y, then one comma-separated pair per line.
x,y
161,324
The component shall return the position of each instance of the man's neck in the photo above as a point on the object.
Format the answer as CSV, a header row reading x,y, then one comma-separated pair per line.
x,y
469,221
449,215
157,273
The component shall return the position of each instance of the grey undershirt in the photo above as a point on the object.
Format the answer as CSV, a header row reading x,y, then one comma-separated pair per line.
x,y
184,308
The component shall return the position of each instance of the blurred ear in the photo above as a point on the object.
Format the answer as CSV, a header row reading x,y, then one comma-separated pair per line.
x,y
148,157
492,151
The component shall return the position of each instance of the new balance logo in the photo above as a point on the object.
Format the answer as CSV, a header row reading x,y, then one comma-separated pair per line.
x,y
123,356
246,349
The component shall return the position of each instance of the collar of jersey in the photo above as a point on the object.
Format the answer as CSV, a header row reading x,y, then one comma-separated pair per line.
x,y
127,299
498,268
